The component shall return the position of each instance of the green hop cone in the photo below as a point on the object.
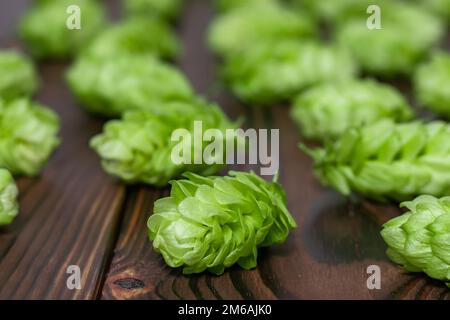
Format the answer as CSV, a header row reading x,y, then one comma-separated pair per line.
x,y
233,32
440,7
386,160
334,12
8,198
46,33
110,86
431,82
419,240
267,74
213,223
168,9
28,136
328,110
17,77
136,36
406,36
139,147
227,5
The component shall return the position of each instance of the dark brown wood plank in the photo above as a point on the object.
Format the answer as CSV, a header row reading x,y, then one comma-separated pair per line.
x,y
337,239
325,258
137,272
69,215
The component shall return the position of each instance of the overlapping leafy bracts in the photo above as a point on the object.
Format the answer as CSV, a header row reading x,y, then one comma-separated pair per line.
x,y
28,136
432,83
267,73
327,110
139,147
8,198
213,223
110,86
136,36
388,161
236,30
45,31
407,34
168,9
419,240
17,76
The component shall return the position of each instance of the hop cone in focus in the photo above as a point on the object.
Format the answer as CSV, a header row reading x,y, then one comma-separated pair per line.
x,y
27,136
266,73
213,223
138,148
17,76
327,110
432,83
236,30
45,32
8,198
168,9
136,36
388,161
110,86
419,240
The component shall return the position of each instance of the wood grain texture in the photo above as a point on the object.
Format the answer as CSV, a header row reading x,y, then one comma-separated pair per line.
x,y
76,214
69,215
325,258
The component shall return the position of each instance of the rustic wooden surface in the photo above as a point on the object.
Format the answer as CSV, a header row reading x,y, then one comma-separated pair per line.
x,y
74,214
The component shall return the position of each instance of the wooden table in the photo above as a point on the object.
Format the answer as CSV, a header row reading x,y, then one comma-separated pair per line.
x,y
75,214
